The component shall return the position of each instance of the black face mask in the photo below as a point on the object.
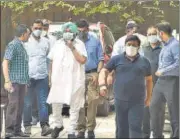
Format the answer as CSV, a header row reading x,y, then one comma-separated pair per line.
x,y
83,36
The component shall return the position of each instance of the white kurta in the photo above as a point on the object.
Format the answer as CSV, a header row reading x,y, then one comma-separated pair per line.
x,y
68,75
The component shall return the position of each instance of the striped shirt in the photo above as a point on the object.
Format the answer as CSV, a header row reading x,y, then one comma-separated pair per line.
x,y
18,62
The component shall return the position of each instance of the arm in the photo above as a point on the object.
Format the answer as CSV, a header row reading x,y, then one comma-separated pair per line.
x,y
175,65
5,68
100,66
80,58
149,88
100,56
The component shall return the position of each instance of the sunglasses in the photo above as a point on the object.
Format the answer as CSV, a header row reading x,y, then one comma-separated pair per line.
x,y
150,34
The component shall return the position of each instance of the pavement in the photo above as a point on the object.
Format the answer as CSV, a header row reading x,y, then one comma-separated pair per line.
x,y
105,128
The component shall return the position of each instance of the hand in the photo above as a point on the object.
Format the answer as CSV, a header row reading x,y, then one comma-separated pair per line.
x,y
158,73
95,79
103,92
110,80
147,101
69,43
8,86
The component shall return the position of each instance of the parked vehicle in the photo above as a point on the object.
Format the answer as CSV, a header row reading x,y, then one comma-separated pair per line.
x,y
107,40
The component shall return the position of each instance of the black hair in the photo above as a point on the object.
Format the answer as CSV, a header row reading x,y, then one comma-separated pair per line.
x,y
133,38
38,21
82,23
165,27
20,30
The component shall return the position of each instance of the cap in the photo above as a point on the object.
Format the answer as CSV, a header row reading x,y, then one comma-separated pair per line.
x,y
131,24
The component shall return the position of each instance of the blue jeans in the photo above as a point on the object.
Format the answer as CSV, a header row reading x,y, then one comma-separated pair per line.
x,y
129,118
39,88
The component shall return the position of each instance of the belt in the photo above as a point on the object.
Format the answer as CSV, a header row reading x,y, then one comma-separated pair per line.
x,y
91,71
168,77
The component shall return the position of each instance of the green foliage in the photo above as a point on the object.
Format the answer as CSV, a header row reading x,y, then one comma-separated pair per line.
x,y
121,9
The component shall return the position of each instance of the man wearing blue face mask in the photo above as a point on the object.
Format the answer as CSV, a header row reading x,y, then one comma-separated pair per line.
x,y
37,49
152,54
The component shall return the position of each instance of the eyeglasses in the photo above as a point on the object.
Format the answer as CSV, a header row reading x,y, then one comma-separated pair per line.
x,y
150,34
37,28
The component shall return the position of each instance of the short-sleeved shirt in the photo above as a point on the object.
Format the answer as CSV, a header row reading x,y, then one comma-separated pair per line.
x,y
130,76
37,52
18,62
94,51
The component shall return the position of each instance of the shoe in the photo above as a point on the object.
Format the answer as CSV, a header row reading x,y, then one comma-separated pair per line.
x,y
91,135
71,136
21,134
81,135
27,130
9,135
56,131
34,121
46,130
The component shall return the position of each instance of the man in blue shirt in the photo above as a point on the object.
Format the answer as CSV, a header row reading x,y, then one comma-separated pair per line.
x,y
167,86
132,70
93,66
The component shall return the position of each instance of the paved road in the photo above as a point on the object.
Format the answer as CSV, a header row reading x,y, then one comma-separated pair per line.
x,y
105,128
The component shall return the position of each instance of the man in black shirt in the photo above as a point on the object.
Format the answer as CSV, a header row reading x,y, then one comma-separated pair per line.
x,y
152,54
131,72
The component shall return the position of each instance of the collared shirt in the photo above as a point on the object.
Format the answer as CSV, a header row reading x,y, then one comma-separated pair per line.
x,y
130,76
152,54
94,51
37,52
119,46
18,62
169,58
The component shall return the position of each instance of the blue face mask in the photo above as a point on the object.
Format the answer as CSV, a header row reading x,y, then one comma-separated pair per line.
x,y
153,39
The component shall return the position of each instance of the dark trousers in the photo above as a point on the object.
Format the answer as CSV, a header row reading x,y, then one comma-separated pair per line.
x,y
35,113
165,90
15,109
129,117
3,111
39,88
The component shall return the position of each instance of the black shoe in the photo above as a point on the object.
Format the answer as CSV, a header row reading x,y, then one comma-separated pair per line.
x,y
46,130
27,130
91,135
9,135
21,134
71,136
81,135
56,131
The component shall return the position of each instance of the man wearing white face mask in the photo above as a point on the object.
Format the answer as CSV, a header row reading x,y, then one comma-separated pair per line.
x,y
132,70
37,49
152,54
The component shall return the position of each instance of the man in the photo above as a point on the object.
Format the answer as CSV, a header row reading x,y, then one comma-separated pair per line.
x,y
93,66
152,54
68,57
131,72
167,86
131,28
15,71
51,39
37,49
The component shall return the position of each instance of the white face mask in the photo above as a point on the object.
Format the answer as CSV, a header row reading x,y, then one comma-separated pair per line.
x,y
153,39
131,51
37,33
44,33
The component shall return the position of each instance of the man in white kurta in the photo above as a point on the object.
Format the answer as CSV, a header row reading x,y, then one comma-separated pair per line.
x,y
67,83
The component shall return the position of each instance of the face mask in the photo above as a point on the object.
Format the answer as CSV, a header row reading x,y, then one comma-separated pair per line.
x,y
153,38
131,51
44,33
37,33
83,36
68,36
